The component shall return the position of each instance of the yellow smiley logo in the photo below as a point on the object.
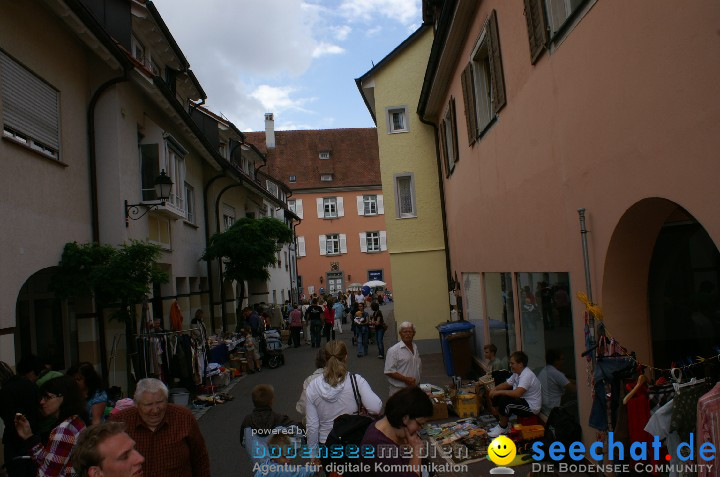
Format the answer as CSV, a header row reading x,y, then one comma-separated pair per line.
x,y
502,450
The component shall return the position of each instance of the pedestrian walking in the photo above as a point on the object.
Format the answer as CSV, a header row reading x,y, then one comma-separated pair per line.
x,y
328,321
403,365
377,320
296,324
314,315
338,311
362,325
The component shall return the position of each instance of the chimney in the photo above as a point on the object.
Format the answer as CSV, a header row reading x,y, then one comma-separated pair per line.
x,y
269,130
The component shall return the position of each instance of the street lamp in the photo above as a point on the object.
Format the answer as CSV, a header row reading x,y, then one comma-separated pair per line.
x,y
163,183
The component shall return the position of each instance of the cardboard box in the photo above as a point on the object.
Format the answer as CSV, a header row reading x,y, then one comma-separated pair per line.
x,y
440,410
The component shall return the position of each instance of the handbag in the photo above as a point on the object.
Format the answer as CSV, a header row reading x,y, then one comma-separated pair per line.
x,y
361,409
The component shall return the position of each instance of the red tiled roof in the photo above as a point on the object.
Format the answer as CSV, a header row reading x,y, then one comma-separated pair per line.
x,y
353,159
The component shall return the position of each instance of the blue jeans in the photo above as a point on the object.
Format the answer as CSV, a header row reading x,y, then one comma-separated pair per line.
x,y
362,340
315,332
379,333
607,370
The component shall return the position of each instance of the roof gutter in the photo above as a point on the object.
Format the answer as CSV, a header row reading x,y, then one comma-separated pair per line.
x,y
438,46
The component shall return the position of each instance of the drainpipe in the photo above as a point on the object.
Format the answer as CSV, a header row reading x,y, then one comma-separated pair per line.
x,y
95,215
223,313
441,188
297,250
206,189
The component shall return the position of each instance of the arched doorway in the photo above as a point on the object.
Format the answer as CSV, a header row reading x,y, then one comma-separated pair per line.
x,y
660,285
44,325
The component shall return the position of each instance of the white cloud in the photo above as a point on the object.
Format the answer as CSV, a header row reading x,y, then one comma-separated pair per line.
x,y
324,48
278,98
341,32
403,11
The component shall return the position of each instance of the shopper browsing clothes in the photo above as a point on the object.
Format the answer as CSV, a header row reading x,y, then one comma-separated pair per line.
x,y
520,395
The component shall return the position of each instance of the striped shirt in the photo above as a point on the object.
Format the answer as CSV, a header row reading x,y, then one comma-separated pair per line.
x,y
53,459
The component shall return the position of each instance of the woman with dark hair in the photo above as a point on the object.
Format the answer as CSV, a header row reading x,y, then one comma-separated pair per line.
x,y
378,321
61,399
90,385
405,413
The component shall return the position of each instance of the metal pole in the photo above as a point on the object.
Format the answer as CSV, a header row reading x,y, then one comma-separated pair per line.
x,y
588,284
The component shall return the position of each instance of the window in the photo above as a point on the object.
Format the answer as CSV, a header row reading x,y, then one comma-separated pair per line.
x,y
375,275
31,108
482,82
175,168
138,49
293,179
397,119
173,163
292,205
330,207
324,155
332,244
301,251
296,206
326,177
558,12
189,203
546,19
405,196
222,150
159,231
370,205
448,132
228,216
154,67
272,188
373,241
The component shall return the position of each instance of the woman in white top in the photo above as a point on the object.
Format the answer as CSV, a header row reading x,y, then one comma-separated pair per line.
x,y
331,395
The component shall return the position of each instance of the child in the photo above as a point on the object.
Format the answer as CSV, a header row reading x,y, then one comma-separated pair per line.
x,y
251,351
263,418
281,446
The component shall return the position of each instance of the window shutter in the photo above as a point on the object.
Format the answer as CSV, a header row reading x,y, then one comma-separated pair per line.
x,y
383,240
298,208
323,245
443,148
320,209
301,246
363,242
30,105
360,205
340,207
537,27
380,204
343,243
468,88
497,78
454,129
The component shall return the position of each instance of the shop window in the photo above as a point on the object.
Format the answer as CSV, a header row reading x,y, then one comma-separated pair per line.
x,y
501,314
472,294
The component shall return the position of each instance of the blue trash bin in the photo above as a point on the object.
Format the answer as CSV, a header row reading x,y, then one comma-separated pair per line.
x,y
455,341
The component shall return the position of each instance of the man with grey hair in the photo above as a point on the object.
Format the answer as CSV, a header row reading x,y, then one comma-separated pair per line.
x,y
402,361
167,435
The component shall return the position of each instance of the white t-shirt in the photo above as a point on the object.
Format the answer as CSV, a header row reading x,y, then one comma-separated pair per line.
x,y
533,390
553,383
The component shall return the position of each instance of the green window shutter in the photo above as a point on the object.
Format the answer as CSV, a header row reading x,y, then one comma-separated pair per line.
x,y
468,89
497,79
444,148
454,129
537,27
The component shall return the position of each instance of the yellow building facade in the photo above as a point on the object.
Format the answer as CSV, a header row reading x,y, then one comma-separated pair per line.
x,y
409,172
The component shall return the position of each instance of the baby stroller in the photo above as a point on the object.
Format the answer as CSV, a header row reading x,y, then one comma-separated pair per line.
x,y
271,349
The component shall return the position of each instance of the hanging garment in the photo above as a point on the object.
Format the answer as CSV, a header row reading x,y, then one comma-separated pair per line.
x,y
176,318
659,425
708,428
608,370
684,416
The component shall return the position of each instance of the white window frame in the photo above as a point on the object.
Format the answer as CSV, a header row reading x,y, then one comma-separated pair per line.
x,y
189,203
558,13
332,244
398,210
397,111
301,247
175,169
292,205
326,177
372,241
292,179
330,207
228,216
482,82
272,188
135,46
370,202
324,155
161,222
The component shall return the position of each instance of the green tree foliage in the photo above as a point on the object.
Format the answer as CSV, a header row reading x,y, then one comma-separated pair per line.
x,y
120,275
249,247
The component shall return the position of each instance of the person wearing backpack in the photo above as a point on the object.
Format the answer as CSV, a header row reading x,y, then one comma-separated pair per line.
x,y
314,316
405,413
332,395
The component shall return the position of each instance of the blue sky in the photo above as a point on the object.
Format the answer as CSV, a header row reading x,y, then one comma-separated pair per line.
x,y
297,59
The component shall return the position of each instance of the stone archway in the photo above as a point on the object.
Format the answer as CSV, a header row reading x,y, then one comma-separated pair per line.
x,y
44,325
639,268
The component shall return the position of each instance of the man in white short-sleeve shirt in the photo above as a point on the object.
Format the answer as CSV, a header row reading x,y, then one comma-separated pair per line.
x,y
403,365
554,382
521,394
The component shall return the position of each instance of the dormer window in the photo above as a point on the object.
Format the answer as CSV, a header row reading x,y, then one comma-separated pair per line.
x,y
154,67
326,177
293,178
138,49
325,155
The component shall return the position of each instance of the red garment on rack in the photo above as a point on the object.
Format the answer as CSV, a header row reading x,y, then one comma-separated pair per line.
x,y
638,414
176,318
